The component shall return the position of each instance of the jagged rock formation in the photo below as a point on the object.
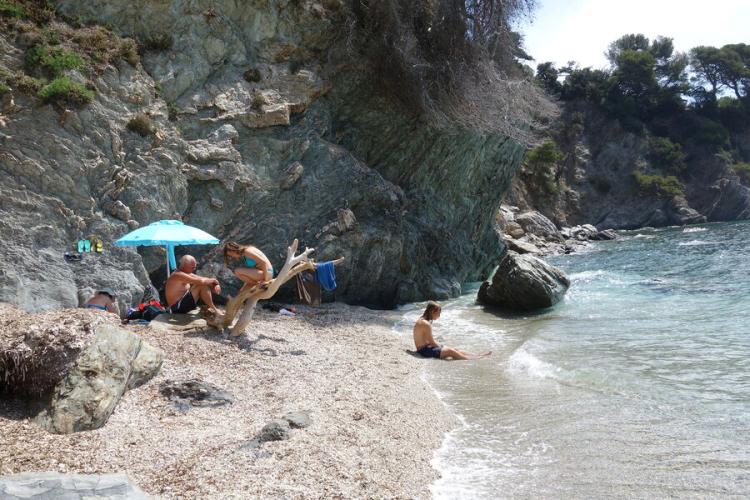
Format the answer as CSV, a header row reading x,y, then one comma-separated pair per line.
x,y
523,283
276,129
76,363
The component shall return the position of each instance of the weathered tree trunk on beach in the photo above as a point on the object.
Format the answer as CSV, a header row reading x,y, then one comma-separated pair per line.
x,y
244,303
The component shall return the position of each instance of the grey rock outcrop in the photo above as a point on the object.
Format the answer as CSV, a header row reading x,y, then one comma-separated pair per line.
x,y
521,247
53,486
87,396
606,234
681,213
539,225
219,164
523,283
76,363
727,199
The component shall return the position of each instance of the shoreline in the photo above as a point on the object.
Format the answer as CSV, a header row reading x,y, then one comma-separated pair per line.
x,y
376,423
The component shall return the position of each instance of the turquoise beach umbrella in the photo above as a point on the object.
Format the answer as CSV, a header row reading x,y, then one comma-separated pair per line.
x,y
168,233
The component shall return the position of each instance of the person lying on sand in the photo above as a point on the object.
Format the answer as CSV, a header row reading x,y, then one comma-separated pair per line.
x,y
256,267
103,300
184,290
425,343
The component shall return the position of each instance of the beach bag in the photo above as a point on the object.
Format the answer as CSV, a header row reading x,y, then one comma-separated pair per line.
x,y
147,311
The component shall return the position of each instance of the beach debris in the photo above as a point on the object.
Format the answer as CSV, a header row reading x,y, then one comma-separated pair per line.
x,y
194,392
523,283
44,485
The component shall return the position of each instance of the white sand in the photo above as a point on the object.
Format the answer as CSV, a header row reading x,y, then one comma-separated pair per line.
x,y
375,423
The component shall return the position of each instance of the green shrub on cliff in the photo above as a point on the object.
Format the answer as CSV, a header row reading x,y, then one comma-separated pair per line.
x,y
742,169
541,160
65,91
55,60
667,155
544,155
4,88
659,185
9,8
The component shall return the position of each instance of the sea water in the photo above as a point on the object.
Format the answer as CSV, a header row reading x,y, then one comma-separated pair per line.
x,y
636,385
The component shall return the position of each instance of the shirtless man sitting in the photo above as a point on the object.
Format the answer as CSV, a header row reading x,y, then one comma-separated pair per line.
x,y
184,290
425,343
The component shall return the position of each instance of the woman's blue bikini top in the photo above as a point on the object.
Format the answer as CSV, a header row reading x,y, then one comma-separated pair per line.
x,y
250,262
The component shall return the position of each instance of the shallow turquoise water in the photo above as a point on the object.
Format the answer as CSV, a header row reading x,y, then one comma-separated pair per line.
x,y
636,385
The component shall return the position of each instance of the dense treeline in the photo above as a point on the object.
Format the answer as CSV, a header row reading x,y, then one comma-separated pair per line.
x,y
700,99
649,85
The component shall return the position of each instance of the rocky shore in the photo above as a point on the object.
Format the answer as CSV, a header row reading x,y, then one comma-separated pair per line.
x,y
355,418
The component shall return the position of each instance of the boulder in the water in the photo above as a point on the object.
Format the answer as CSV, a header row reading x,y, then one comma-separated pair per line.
x,y
523,283
606,234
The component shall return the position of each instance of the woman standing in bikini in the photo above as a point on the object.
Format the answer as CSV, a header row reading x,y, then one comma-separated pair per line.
x,y
255,267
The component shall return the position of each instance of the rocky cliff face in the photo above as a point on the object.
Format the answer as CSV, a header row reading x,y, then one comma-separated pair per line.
x,y
264,126
594,182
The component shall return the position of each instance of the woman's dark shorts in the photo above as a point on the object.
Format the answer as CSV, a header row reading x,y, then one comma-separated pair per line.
x,y
430,351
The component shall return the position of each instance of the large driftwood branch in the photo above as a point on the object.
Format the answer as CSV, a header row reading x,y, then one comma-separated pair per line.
x,y
246,300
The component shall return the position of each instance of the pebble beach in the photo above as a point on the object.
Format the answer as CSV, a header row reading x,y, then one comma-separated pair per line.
x,y
374,423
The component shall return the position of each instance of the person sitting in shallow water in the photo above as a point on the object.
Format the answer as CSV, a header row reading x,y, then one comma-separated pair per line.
x,y
184,290
103,299
425,343
255,268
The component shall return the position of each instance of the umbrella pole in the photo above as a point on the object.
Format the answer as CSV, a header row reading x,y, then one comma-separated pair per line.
x,y
168,262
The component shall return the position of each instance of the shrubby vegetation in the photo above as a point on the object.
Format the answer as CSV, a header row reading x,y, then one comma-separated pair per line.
x,y
659,185
9,8
743,170
55,60
541,162
56,49
63,90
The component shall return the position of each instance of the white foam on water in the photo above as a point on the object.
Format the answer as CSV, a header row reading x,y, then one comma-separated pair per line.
x,y
694,230
525,363
695,243
599,274
645,236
